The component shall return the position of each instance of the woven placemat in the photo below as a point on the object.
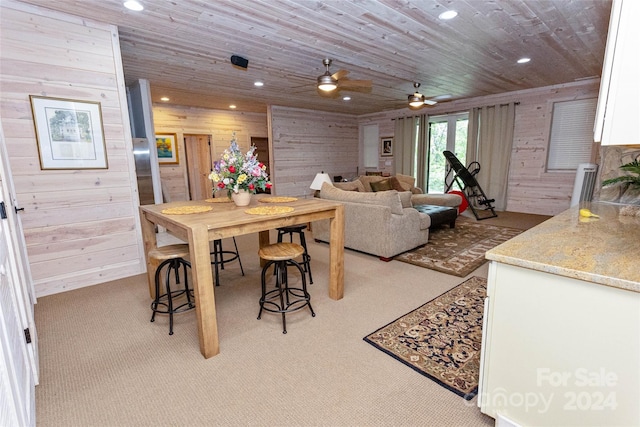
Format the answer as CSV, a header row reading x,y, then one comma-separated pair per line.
x,y
278,199
219,200
185,210
269,210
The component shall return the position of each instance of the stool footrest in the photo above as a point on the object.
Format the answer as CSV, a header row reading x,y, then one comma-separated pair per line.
x,y
283,298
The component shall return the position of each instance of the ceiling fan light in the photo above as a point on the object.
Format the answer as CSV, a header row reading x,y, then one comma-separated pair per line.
x,y
416,100
327,83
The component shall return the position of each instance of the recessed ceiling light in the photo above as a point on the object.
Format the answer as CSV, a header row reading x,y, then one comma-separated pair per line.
x,y
233,107
523,60
133,5
164,98
258,84
449,14
346,98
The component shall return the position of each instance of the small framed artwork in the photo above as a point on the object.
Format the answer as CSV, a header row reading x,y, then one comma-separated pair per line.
x,y
69,133
386,147
167,148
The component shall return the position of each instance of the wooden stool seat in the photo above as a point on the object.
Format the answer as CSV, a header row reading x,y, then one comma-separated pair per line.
x,y
281,251
169,252
283,298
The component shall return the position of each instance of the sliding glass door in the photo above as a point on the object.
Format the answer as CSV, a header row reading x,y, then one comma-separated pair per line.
x,y
445,133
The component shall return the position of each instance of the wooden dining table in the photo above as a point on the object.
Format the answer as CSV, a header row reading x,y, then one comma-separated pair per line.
x,y
228,220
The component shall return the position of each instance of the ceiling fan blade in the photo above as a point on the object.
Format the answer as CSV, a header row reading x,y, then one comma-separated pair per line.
x,y
346,84
430,102
340,74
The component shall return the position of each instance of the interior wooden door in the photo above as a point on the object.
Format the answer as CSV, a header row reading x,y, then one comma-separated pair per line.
x,y
262,151
19,368
199,163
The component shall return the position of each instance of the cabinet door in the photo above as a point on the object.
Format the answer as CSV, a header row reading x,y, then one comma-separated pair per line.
x,y
618,114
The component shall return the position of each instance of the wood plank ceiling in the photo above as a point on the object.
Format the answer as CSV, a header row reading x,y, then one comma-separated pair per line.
x,y
184,47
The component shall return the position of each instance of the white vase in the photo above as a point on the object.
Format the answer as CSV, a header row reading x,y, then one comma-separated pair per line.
x,y
241,198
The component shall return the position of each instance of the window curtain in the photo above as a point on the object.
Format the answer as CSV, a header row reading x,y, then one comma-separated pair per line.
x,y
411,138
404,137
489,143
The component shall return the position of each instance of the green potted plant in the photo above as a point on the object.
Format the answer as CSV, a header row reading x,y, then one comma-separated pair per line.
x,y
634,168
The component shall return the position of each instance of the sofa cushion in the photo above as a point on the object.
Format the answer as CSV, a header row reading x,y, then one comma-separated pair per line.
x,y
383,185
405,199
384,198
447,199
350,186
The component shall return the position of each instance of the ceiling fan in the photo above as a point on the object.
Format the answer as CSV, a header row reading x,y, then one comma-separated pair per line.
x,y
328,82
417,100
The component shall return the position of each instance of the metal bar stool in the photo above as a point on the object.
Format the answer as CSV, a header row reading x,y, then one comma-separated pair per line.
x,y
306,258
218,258
172,257
283,298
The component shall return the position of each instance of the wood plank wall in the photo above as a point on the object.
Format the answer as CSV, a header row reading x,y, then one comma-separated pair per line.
x,y
306,142
81,226
219,124
531,188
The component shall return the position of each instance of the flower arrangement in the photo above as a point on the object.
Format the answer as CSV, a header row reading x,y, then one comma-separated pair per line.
x,y
236,171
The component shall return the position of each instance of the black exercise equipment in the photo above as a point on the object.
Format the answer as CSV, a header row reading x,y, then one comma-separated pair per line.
x,y
465,178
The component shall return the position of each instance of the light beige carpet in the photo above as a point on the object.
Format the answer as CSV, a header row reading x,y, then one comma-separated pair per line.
x,y
102,363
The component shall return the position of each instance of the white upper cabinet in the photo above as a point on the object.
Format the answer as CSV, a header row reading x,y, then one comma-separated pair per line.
x,y
618,113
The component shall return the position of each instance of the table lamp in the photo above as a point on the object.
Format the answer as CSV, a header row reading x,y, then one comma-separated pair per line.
x,y
320,179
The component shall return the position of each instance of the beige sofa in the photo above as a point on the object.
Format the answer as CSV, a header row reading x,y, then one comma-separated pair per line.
x,y
378,223
400,183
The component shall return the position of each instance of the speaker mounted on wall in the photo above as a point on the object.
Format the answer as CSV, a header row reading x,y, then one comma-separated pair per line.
x,y
239,61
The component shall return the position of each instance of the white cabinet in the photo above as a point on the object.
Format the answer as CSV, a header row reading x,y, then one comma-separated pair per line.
x,y
559,351
618,114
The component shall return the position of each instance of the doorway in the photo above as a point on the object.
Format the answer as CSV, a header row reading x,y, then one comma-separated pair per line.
x,y
199,164
262,151
445,133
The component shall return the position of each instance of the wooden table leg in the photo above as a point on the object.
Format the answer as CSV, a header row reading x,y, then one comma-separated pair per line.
x,y
263,240
150,242
336,255
203,290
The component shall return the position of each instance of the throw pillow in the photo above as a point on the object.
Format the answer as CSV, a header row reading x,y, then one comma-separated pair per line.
x,y
406,181
367,180
383,185
395,184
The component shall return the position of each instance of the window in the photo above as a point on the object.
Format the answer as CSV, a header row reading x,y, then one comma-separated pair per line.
x,y
571,138
445,133
371,141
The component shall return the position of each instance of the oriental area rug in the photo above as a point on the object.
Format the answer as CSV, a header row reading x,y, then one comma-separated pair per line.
x,y
460,250
441,339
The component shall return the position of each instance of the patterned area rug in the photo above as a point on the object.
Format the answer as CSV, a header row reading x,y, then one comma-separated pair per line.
x,y
460,250
441,339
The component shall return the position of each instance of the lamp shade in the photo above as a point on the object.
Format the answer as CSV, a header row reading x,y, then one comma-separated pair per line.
x,y
320,179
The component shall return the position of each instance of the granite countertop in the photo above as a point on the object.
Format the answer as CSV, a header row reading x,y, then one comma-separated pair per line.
x,y
604,251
